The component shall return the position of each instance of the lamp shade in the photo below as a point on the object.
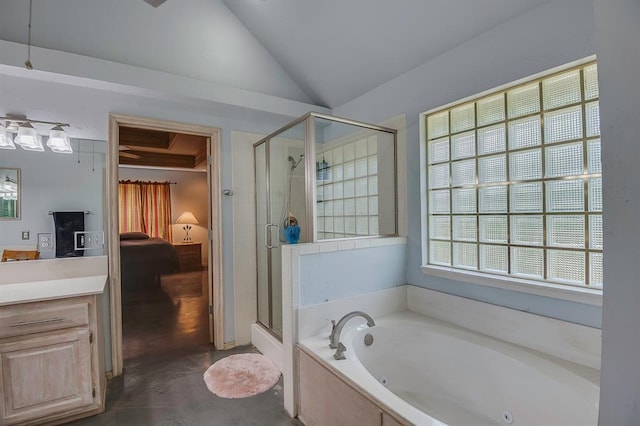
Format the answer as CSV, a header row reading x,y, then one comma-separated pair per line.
x,y
6,139
28,138
187,218
12,126
59,141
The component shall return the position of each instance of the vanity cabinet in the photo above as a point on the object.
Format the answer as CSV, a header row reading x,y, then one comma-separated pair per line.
x,y
50,361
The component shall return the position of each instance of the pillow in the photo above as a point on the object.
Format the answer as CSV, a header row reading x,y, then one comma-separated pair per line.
x,y
133,236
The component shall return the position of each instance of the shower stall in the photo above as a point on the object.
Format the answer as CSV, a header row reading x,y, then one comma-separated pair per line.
x,y
319,178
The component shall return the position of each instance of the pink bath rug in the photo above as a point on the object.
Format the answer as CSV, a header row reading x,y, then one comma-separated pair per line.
x,y
241,376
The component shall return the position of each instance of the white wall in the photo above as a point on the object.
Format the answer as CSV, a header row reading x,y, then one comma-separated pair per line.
x,y
618,38
548,36
189,194
244,235
50,182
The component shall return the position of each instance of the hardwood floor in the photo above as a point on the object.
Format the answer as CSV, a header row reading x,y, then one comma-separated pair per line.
x,y
165,317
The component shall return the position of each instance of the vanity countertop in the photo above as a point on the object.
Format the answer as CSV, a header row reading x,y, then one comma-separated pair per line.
x,y
37,291
38,280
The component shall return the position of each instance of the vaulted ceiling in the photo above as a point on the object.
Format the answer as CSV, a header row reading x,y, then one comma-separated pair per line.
x,y
337,50
318,52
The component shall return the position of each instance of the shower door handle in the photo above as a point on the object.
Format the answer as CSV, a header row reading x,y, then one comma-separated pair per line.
x,y
267,236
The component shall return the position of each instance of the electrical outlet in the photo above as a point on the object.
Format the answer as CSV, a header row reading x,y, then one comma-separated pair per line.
x,y
45,242
25,235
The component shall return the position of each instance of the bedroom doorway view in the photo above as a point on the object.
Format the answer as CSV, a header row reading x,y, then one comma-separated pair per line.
x,y
164,218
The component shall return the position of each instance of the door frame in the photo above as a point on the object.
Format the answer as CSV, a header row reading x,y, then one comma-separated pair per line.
x,y
215,273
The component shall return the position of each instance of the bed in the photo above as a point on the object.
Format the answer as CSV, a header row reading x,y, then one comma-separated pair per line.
x,y
145,257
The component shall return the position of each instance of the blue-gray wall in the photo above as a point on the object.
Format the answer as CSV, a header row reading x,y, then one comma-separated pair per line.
x,y
339,274
551,35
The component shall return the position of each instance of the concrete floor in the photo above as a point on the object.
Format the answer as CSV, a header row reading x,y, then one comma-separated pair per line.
x,y
166,354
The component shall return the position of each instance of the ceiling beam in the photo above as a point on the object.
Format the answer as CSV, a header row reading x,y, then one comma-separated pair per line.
x,y
172,138
159,160
84,71
130,136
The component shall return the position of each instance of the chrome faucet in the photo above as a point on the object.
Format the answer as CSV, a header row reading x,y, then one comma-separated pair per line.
x,y
334,338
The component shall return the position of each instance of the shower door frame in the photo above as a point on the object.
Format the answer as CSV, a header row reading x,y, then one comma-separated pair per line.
x,y
267,158
266,141
310,186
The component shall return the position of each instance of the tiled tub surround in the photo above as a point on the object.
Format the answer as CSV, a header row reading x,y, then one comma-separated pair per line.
x,y
538,370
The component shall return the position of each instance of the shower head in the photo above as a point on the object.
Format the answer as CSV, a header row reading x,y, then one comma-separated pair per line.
x,y
295,163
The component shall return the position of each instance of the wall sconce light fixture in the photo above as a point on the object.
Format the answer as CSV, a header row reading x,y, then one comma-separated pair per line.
x,y
28,138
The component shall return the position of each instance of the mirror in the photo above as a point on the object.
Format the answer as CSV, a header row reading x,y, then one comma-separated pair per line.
x,y
9,194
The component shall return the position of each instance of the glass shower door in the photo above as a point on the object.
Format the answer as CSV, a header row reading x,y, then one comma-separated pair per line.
x,y
280,203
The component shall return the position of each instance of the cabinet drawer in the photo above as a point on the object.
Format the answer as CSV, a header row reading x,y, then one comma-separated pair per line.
x,y
189,256
189,250
28,318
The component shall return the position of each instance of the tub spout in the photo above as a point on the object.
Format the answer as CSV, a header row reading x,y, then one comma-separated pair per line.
x,y
337,328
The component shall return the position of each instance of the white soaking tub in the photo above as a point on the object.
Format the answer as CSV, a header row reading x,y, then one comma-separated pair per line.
x,y
431,373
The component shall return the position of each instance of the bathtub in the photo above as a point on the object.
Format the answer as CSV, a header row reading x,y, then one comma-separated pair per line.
x,y
433,373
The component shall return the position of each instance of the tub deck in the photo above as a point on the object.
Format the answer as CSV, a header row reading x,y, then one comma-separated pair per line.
x,y
411,398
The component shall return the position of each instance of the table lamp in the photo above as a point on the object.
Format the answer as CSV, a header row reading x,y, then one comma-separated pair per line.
x,y
187,219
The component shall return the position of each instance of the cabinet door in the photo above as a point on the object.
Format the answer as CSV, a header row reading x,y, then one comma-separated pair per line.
x,y
44,375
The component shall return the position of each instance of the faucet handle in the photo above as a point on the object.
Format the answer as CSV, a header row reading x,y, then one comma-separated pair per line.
x,y
340,350
331,336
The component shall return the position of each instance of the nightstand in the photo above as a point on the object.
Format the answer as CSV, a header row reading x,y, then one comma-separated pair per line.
x,y
189,256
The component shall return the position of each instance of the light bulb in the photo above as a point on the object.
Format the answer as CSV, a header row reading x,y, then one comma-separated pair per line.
x,y
28,138
59,141
6,139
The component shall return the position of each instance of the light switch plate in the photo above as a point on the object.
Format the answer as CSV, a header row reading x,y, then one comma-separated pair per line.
x,y
25,235
88,240
45,242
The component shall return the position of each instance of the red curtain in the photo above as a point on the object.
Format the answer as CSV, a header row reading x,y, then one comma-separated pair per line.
x,y
145,207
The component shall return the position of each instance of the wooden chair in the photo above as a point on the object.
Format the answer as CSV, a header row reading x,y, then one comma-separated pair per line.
x,y
14,255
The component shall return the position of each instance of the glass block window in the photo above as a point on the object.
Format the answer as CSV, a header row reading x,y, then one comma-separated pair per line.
x,y
514,181
347,204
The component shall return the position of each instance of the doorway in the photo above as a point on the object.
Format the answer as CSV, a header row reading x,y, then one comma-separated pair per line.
x,y
135,156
